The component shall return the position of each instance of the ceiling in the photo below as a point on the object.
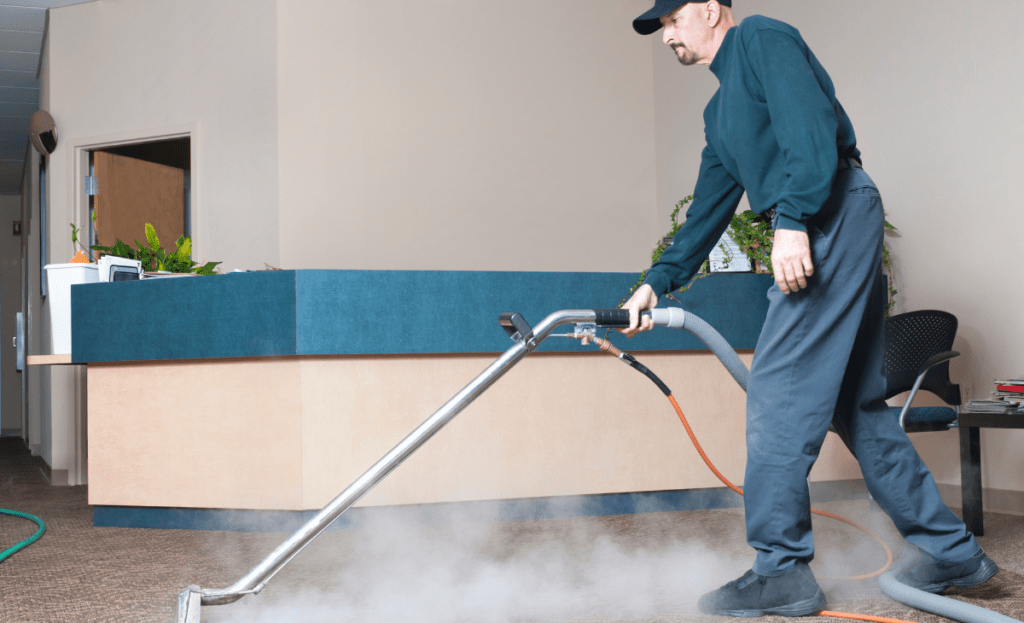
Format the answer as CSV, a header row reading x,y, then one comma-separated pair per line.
x,y
22,27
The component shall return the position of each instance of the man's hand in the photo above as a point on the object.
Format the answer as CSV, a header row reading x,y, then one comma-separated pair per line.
x,y
642,300
791,259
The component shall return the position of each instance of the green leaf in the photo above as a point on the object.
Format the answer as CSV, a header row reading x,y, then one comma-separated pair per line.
x,y
753,234
122,250
184,248
207,268
154,242
145,256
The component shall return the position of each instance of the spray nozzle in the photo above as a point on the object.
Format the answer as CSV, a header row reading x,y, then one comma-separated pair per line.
x,y
582,330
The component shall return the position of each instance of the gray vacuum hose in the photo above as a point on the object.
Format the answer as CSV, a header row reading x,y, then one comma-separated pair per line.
x,y
937,604
675,318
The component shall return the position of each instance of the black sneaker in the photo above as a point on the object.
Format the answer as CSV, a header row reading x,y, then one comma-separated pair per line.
x,y
919,569
795,594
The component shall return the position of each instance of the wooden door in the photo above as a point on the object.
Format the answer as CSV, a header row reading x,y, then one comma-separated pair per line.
x,y
133,192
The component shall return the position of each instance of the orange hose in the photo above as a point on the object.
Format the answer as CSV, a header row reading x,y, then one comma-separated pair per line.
x,y
860,617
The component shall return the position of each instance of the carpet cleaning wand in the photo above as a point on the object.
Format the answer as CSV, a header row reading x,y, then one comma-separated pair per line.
x,y
525,338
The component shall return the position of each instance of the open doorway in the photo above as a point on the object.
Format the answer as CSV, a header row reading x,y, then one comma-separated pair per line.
x,y
140,183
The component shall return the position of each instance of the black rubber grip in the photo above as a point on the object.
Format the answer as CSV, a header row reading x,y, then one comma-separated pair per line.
x,y
612,317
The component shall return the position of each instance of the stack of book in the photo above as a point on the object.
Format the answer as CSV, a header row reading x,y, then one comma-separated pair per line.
x,y
1008,397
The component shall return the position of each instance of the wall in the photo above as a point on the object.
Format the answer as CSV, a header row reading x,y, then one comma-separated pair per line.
x,y
10,305
37,329
38,338
465,135
452,155
934,92
141,65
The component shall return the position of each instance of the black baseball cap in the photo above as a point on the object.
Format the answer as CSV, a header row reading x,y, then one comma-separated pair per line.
x,y
650,22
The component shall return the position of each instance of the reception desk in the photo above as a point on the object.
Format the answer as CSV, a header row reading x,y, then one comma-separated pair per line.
x,y
236,400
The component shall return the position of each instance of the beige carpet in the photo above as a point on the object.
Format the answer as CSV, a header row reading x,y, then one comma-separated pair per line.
x,y
649,567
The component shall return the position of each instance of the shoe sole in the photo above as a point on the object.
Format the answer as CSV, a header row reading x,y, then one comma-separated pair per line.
x,y
798,609
985,571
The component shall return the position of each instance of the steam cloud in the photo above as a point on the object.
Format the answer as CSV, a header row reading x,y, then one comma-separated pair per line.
x,y
490,573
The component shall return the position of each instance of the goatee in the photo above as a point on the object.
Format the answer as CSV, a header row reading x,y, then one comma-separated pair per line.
x,y
687,58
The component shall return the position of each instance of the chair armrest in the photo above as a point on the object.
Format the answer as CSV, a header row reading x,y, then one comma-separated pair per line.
x,y
935,360
930,363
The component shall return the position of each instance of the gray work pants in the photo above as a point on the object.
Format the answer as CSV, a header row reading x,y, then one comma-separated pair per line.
x,y
819,361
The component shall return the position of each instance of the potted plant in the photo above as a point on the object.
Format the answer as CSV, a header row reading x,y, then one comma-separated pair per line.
x,y
754,235
157,261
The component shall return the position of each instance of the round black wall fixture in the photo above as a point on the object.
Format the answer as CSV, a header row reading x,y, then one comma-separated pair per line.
x,y
43,132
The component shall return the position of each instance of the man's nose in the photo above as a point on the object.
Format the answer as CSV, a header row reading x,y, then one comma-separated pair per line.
x,y
665,37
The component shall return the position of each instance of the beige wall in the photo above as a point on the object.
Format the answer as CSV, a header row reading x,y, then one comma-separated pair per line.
x,y
140,66
40,434
934,92
465,135
37,328
469,150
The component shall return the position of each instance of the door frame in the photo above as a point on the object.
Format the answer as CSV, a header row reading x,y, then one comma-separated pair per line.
x,y
78,166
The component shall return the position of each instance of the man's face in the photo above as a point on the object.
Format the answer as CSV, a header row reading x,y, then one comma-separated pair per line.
x,y
685,31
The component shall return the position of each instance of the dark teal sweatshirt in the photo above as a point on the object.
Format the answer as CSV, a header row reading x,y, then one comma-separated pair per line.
x,y
774,129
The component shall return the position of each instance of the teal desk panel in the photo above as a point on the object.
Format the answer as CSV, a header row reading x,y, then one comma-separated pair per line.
x,y
355,312
232,315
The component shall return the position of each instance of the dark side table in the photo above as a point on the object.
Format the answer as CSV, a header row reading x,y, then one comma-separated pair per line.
x,y
970,460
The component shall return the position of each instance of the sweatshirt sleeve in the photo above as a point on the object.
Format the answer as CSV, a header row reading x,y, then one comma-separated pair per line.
x,y
803,120
714,202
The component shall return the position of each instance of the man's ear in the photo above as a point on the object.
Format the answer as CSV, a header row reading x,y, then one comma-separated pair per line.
x,y
712,12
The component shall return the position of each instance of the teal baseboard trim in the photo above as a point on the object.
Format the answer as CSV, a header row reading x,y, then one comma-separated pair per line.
x,y
365,312
445,513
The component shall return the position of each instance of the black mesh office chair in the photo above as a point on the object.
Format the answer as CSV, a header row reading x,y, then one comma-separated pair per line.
x,y
918,347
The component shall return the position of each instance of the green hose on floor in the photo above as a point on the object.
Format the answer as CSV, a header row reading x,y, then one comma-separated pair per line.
x,y
10,551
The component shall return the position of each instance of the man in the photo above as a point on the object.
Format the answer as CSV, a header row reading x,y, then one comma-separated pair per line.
x,y
776,131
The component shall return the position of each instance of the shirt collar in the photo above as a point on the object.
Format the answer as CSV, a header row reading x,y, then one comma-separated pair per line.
x,y
724,54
